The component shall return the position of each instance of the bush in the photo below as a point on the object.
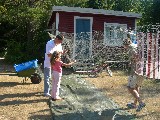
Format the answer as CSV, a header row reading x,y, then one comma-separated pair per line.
x,y
15,52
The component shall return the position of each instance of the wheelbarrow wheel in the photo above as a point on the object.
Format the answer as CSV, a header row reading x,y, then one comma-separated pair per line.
x,y
36,78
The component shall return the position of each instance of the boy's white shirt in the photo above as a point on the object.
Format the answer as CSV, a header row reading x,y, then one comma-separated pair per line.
x,y
50,48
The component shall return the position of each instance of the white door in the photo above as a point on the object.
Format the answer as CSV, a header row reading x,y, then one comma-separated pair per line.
x,y
82,39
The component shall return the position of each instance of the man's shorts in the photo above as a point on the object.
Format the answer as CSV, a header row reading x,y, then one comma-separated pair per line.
x,y
135,81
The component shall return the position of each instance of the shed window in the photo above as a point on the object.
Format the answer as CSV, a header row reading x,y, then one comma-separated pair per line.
x,y
114,34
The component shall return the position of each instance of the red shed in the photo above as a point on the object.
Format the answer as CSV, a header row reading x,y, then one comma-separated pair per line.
x,y
75,20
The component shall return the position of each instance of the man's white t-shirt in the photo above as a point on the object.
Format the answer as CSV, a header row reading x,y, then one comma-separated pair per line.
x,y
50,48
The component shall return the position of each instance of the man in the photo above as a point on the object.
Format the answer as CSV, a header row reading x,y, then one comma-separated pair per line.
x,y
51,46
135,80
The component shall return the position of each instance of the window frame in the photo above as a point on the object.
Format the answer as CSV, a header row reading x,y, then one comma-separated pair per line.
x,y
113,35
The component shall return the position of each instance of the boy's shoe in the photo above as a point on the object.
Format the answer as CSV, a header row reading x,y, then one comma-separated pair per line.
x,y
131,105
140,107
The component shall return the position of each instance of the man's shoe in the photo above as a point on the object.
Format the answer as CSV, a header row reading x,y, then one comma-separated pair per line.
x,y
47,95
57,99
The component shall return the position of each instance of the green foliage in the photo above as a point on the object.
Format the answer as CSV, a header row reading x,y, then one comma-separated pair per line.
x,y
126,5
95,4
146,6
155,12
15,53
26,36
70,3
27,21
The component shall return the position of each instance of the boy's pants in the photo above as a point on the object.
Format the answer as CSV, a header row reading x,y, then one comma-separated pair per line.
x,y
47,77
56,80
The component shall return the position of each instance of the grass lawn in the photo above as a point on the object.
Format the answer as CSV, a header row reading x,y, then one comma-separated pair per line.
x,y
115,88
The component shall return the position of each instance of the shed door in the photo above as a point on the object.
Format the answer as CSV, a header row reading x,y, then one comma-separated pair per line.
x,y
82,42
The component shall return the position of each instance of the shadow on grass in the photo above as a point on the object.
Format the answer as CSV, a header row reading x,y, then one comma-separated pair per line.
x,y
157,81
12,84
22,95
40,117
18,102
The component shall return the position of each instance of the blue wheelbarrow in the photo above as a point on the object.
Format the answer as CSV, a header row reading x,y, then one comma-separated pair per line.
x,y
30,70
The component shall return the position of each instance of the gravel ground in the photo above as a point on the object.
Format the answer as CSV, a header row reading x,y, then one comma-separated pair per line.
x,y
21,101
83,101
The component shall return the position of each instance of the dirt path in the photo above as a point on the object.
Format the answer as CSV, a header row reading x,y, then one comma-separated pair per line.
x,y
21,101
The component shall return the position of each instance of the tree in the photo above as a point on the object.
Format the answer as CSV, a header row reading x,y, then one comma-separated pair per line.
x,y
70,3
145,8
95,4
148,8
28,20
155,12
126,5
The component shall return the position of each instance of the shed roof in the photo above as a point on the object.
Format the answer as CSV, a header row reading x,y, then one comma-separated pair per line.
x,y
96,11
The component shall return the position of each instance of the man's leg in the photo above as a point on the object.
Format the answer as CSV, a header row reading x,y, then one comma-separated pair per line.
x,y
47,76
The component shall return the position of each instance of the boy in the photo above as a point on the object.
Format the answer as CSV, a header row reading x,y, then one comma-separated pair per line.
x,y
134,79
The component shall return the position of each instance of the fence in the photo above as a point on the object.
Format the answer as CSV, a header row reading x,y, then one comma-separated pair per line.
x,y
149,50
